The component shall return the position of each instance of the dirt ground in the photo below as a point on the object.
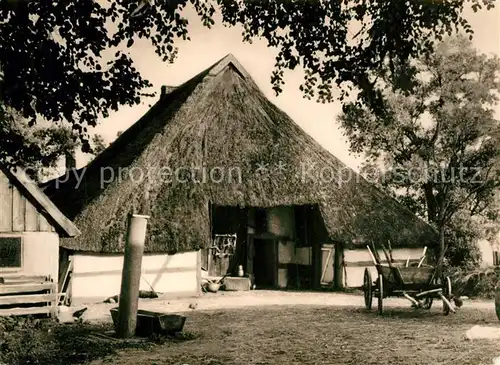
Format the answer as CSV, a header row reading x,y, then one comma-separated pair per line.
x,y
234,300
313,328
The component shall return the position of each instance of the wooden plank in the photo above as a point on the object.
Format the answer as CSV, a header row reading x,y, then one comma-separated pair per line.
x,y
63,274
325,268
67,270
24,288
25,299
210,268
38,195
397,262
198,271
53,304
118,272
5,204
18,210
410,275
25,311
23,279
31,218
43,224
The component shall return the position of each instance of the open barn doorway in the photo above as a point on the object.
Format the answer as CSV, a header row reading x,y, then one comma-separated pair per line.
x,y
265,263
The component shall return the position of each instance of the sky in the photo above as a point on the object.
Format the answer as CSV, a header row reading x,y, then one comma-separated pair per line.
x,y
207,46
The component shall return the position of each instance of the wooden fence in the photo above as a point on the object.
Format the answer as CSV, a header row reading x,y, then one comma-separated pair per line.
x,y
27,295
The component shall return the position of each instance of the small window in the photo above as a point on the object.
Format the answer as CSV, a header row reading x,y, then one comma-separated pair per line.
x,y
496,258
10,252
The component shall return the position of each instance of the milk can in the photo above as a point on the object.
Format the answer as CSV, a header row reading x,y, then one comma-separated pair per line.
x,y
240,271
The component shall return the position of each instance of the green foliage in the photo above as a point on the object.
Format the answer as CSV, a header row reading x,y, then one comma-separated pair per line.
x,y
15,146
98,144
25,340
46,145
177,337
436,149
42,342
461,236
316,35
475,283
68,61
55,141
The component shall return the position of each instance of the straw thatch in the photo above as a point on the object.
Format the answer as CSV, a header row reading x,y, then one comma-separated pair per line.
x,y
221,120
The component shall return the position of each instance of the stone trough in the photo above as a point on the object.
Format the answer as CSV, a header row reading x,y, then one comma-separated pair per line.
x,y
149,323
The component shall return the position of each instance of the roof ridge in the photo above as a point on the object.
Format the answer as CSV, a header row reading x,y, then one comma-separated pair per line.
x,y
223,63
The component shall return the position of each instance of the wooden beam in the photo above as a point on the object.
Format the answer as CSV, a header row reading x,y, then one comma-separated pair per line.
x,y
427,292
31,218
23,279
446,301
43,224
396,262
131,275
25,288
198,271
6,204
68,268
338,277
18,211
411,299
326,263
117,272
25,299
25,311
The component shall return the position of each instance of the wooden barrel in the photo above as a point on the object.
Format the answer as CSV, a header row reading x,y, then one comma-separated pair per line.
x,y
497,301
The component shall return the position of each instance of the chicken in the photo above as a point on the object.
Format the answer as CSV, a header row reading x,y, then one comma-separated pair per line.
x,y
458,301
79,313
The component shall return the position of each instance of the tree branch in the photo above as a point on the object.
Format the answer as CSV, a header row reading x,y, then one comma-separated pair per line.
x,y
468,196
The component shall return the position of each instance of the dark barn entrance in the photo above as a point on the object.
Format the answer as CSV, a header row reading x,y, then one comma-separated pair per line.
x,y
265,263
278,247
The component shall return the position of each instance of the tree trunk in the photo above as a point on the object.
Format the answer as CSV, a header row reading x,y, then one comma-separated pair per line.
x,y
442,248
430,202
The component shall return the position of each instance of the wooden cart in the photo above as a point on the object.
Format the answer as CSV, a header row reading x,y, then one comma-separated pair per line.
x,y
418,283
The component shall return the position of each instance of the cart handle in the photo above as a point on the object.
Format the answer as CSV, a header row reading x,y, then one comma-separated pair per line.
x,y
371,254
423,257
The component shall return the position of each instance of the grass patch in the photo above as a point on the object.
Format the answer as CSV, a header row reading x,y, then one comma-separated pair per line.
x,y
43,342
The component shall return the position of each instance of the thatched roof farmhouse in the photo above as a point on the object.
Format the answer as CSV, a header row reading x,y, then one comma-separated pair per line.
x,y
233,147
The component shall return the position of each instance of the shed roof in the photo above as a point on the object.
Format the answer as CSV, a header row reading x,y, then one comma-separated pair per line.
x,y
37,197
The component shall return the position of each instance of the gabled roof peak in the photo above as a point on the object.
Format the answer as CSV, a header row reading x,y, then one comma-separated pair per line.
x,y
33,192
228,60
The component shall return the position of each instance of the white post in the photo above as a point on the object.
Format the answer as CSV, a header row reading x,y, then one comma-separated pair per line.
x,y
131,275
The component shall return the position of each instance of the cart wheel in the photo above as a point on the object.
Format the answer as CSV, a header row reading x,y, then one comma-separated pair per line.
x,y
447,294
368,289
428,303
429,300
380,294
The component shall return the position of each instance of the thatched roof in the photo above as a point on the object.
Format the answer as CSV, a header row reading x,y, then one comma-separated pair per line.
x,y
221,120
